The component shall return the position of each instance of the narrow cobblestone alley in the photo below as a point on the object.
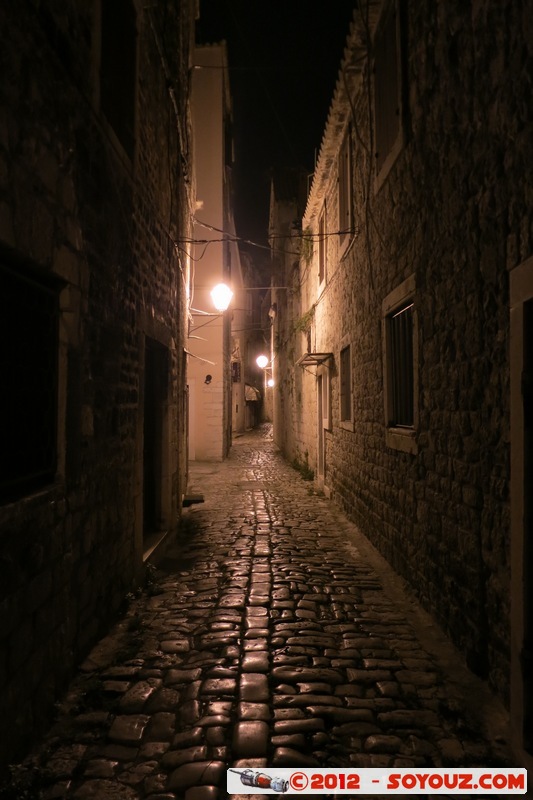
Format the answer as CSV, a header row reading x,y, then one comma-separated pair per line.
x,y
271,635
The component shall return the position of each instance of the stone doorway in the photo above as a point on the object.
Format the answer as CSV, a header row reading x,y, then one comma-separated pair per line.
x,y
527,651
521,363
154,424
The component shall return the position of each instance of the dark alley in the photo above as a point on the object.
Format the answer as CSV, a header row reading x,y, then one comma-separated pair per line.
x,y
271,634
266,428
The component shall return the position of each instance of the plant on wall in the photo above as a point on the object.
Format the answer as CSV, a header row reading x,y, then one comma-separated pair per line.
x,y
307,245
304,322
302,465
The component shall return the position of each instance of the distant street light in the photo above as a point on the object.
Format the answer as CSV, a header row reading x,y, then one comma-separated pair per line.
x,y
221,296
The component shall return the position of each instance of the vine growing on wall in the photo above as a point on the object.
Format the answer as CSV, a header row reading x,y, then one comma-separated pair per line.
x,y
302,465
304,323
307,245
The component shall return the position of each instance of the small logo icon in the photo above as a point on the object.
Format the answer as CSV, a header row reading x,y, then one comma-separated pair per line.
x,y
260,780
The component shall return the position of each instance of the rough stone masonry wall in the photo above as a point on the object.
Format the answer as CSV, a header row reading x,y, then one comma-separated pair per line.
x,y
453,212
71,206
294,438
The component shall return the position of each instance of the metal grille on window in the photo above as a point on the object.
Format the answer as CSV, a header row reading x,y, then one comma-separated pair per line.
x,y
401,366
28,363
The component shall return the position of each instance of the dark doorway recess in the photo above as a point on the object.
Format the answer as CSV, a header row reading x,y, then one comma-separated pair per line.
x,y
29,314
527,653
155,409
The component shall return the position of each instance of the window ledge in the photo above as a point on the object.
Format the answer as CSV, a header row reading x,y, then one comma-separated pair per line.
x,y
402,439
48,494
347,425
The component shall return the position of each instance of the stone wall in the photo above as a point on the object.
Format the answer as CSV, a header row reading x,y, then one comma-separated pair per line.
x,y
453,213
77,212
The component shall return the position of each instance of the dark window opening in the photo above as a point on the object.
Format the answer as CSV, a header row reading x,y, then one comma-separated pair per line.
x,y
400,331
322,247
155,400
386,89
527,650
345,189
236,371
346,384
118,68
28,364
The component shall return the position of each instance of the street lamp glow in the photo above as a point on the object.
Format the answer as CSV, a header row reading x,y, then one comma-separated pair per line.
x,y
261,361
270,382
221,296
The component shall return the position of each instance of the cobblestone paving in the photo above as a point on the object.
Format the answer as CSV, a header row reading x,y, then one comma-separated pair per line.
x,y
266,639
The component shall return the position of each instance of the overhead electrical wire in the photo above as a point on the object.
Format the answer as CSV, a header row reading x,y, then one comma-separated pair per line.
x,y
230,237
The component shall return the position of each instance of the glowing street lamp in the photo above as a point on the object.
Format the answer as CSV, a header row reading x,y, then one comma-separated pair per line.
x,y
261,361
221,296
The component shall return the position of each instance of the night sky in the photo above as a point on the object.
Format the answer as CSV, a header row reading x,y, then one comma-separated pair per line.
x,y
284,57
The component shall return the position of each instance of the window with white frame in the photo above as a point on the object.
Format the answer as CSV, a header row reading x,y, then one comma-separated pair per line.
x,y
345,190
346,384
400,360
388,112
322,247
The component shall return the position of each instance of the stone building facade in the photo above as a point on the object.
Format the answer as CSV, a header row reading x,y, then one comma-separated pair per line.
x,y
209,378
288,197
394,349
96,192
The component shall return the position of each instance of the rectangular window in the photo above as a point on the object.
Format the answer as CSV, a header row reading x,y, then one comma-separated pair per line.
x,y
29,313
346,384
400,326
322,248
521,501
118,67
387,91
236,371
325,398
400,364
345,190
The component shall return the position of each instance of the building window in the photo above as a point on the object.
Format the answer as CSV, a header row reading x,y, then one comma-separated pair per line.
x,y
324,387
346,383
236,371
29,357
400,338
400,331
387,92
322,248
345,190
521,505
118,67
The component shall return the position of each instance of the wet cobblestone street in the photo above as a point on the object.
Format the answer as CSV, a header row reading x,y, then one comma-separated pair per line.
x,y
271,635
